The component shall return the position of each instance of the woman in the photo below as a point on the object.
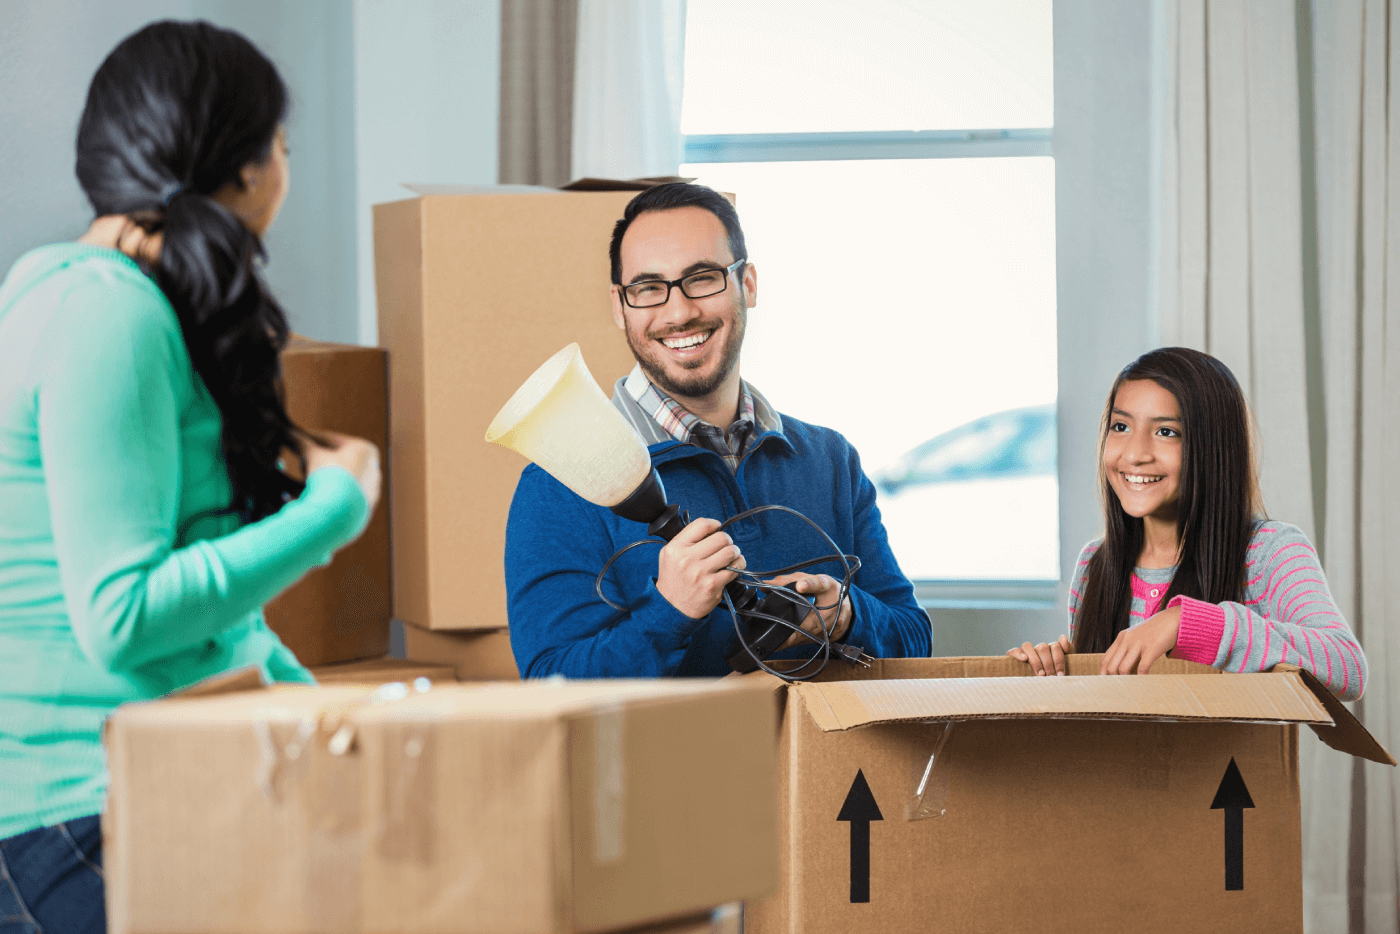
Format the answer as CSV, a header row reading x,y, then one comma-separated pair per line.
x,y
1188,565
145,515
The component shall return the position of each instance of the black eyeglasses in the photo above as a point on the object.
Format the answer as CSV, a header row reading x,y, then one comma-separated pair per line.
x,y
653,292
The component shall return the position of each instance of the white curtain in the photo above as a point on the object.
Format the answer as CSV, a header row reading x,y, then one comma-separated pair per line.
x,y
1280,254
628,71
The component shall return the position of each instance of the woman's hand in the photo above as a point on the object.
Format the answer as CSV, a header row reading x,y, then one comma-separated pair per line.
x,y
356,455
1138,648
1044,659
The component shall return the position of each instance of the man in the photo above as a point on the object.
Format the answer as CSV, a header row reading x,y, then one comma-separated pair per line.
x,y
682,287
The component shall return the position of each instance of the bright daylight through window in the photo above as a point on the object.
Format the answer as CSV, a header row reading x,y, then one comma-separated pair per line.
x,y
891,162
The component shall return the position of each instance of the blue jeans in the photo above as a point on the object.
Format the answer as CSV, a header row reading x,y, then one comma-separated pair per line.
x,y
51,880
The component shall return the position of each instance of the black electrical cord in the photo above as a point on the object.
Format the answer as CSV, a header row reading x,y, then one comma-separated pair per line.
x,y
850,564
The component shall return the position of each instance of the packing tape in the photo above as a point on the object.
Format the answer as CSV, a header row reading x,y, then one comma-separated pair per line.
x,y
609,786
313,772
931,778
408,803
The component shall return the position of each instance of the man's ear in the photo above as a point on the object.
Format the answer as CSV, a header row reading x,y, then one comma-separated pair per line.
x,y
750,285
618,318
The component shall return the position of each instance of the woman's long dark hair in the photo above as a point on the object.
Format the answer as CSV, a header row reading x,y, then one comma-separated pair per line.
x,y
173,115
1218,503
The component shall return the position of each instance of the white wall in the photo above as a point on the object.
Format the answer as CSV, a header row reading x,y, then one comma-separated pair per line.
x,y
382,92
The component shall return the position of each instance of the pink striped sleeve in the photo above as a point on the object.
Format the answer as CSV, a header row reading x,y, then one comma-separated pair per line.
x,y
1202,628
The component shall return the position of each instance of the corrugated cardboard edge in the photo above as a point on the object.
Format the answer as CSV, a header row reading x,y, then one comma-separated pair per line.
x,y
1346,734
838,706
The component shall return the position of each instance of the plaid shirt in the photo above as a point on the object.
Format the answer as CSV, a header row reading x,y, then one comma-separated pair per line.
x,y
686,427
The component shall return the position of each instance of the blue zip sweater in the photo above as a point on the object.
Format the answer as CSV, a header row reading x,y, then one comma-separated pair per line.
x,y
556,542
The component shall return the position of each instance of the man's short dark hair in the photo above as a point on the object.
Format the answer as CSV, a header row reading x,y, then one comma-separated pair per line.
x,y
677,195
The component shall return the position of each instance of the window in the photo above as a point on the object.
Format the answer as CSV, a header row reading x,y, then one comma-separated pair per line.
x,y
892,166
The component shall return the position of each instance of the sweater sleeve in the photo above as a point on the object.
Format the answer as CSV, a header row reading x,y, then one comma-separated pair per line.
x,y
555,545
1288,616
887,619
1076,583
109,403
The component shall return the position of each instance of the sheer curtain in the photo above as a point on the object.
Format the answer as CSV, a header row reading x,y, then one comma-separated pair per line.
x,y
590,88
1280,254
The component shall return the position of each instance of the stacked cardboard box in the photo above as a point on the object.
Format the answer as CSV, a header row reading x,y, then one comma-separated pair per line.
x,y
545,808
340,612
472,656
961,795
381,670
475,291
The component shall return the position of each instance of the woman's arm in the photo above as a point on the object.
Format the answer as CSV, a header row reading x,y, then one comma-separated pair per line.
x,y
113,382
1288,616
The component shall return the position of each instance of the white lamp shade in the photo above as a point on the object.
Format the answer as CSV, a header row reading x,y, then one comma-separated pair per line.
x,y
561,420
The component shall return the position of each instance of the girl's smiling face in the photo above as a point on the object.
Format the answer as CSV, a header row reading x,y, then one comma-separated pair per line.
x,y
1142,453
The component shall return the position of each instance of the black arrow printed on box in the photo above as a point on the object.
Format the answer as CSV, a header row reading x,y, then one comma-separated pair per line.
x,y
1233,797
859,810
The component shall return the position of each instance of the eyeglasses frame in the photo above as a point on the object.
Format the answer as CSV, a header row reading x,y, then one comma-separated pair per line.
x,y
676,284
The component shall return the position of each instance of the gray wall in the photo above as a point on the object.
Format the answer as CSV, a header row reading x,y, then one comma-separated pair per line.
x,y
1105,213
382,92
1106,96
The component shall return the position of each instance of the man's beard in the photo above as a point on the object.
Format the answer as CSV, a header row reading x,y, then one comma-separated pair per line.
x,y
690,384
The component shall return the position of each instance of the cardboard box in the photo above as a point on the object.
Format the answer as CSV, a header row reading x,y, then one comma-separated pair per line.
x,y
472,809
382,670
340,612
475,292
948,795
474,656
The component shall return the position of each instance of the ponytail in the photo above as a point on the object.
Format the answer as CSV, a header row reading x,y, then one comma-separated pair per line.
x,y
172,116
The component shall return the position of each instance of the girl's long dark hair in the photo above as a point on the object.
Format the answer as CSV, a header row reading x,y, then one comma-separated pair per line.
x,y
1218,504
173,115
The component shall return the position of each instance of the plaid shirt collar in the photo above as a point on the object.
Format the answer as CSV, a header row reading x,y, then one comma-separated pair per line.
x,y
678,422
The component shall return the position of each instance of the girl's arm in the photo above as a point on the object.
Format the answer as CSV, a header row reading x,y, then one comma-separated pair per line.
x,y
1288,616
113,383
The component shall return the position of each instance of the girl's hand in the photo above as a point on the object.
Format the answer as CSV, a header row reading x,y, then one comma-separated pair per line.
x,y
1044,659
1138,648
358,456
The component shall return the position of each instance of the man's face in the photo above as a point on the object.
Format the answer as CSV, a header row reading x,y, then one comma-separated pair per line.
x,y
689,347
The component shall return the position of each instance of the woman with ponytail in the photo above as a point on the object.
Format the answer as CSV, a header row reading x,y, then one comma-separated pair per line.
x,y
145,516
1188,565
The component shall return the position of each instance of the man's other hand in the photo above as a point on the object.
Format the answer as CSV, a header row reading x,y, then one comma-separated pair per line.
x,y
823,589
692,570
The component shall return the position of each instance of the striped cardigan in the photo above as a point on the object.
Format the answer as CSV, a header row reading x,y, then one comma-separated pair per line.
x,y
1287,615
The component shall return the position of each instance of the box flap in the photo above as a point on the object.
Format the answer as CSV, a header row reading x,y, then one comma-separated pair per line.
x,y
432,188
1345,734
614,184
1269,698
247,678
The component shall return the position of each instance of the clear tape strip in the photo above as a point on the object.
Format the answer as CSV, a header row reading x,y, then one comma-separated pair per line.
x,y
931,777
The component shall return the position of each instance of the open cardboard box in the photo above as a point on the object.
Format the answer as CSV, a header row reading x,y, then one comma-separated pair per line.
x,y
538,808
959,794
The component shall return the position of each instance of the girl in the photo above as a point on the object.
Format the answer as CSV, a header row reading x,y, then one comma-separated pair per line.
x,y
144,517
1188,565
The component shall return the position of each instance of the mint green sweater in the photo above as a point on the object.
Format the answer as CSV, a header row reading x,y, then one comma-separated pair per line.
x,y
110,589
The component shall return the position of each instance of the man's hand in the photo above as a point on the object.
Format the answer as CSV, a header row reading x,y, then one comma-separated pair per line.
x,y
825,589
691,572
1138,648
1044,659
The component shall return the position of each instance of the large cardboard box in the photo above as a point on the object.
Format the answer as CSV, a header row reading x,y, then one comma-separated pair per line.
x,y
471,809
381,671
951,795
340,612
474,656
475,292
